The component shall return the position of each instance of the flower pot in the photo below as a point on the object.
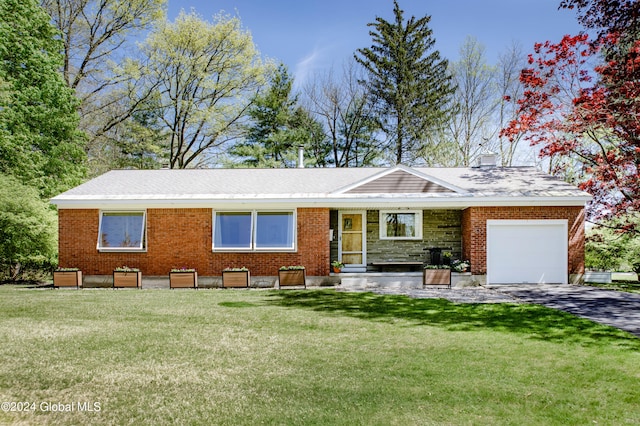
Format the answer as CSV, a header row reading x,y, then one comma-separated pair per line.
x,y
337,270
437,277
67,279
292,277
183,279
128,279
236,279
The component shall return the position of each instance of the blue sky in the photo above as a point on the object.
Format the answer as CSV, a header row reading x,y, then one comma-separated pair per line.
x,y
314,35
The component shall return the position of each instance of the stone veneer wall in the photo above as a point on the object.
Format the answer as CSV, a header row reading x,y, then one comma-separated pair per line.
x,y
440,229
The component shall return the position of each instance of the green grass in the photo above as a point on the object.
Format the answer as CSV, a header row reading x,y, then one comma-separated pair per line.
x,y
308,357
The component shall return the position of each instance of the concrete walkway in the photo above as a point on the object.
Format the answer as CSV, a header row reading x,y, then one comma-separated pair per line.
x,y
416,290
615,308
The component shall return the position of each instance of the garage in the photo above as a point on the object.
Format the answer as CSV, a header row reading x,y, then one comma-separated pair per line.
x,y
527,251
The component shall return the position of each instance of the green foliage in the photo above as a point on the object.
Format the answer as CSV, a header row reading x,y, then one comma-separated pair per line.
x,y
28,229
608,248
203,77
141,141
278,126
97,36
408,79
39,140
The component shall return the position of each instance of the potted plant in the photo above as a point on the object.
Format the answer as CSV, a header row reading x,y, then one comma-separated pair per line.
x,y
460,265
337,266
125,276
446,258
236,277
437,275
67,277
292,275
183,278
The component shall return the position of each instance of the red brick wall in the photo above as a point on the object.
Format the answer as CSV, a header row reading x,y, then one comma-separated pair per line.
x,y
474,231
182,237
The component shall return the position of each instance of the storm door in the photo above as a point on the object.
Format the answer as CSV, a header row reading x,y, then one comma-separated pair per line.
x,y
352,238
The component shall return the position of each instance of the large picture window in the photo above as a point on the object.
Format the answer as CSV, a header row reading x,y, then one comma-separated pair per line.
x,y
254,230
121,231
401,225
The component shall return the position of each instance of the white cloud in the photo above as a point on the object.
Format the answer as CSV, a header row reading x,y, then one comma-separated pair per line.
x,y
307,66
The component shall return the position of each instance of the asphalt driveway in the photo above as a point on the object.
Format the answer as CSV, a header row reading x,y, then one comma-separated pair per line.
x,y
615,308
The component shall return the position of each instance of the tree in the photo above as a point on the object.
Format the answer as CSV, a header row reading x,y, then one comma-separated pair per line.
x,y
588,114
509,87
39,139
96,36
270,135
609,249
205,77
345,110
408,80
475,102
28,229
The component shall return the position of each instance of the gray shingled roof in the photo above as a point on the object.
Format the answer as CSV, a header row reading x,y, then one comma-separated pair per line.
x,y
289,184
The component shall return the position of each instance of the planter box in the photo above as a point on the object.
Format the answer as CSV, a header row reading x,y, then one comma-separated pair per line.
x,y
293,277
236,279
437,277
127,279
597,277
183,280
67,279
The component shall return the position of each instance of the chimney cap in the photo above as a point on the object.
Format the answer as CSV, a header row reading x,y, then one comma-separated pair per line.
x,y
300,157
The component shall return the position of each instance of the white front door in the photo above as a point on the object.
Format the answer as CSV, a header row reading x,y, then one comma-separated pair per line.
x,y
352,240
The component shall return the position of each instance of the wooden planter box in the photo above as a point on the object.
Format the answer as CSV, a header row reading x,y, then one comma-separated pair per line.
x,y
127,279
67,279
437,277
236,279
183,279
293,277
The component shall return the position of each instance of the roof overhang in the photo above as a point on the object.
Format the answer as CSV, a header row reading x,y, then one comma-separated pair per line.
x,y
331,201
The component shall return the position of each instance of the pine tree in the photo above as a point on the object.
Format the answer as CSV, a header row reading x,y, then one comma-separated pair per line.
x,y
278,126
408,80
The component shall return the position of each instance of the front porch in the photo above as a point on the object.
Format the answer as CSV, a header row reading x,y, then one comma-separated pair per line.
x,y
394,241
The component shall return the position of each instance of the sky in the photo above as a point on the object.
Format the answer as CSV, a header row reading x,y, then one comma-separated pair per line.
x,y
312,36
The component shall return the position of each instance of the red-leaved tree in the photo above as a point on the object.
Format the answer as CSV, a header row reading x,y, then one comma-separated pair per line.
x,y
582,102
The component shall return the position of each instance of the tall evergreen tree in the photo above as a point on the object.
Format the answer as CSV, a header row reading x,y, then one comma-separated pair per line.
x,y
408,80
39,139
278,126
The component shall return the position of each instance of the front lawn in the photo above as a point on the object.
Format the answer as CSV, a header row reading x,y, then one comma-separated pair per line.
x,y
305,357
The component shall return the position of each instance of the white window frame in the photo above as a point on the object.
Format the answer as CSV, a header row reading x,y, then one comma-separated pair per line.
x,y
383,224
143,237
254,222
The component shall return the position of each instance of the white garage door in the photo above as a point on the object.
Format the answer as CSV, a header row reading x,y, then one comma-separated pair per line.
x,y
527,251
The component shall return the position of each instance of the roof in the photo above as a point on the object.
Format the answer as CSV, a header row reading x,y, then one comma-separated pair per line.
x,y
323,186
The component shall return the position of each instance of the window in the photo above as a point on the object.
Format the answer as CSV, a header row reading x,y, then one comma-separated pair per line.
x,y
401,225
254,230
274,230
121,231
232,230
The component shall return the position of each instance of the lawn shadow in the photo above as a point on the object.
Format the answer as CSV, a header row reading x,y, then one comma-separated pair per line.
x,y
535,321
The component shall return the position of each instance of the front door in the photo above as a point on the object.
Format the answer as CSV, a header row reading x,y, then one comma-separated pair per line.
x,y
352,238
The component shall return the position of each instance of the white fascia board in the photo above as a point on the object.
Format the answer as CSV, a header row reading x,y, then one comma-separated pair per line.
x,y
456,202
